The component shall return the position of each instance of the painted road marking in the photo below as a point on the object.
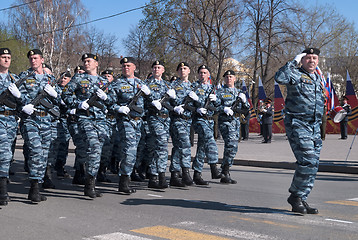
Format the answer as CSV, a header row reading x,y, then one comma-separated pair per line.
x,y
266,222
175,233
116,236
153,195
353,199
344,202
337,220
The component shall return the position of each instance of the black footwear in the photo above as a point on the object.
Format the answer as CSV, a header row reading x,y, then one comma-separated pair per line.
x,y
186,179
123,185
47,180
135,177
34,193
309,209
162,181
226,175
215,174
101,175
297,204
4,198
153,182
79,178
114,166
62,173
175,181
198,179
90,187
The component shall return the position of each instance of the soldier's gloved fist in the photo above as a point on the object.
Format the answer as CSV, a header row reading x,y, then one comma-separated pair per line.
x,y
202,111
124,109
50,90
228,111
28,109
145,89
83,105
179,109
242,96
63,103
14,90
212,97
299,57
157,104
102,95
193,96
171,93
73,111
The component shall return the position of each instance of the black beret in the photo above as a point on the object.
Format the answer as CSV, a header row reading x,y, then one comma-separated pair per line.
x,y
5,51
312,51
89,55
107,71
345,98
229,72
158,63
268,100
182,64
45,65
65,74
128,60
34,52
173,79
203,67
79,68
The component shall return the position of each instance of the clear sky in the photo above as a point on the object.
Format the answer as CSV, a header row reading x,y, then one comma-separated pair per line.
x,y
120,25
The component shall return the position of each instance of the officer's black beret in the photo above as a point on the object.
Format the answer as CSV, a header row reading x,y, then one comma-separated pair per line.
x,y
34,52
128,60
89,55
345,98
45,65
173,79
158,63
107,71
229,72
203,67
79,68
65,74
5,51
268,100
312,51
182,64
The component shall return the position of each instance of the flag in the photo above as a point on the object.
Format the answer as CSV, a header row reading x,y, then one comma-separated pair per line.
x,y
279,103
262,94
352,100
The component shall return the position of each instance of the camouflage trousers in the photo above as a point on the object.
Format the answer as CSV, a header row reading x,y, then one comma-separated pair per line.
x,y
8,128
305,141
79,142
63,139
145,147
181,151
95,132
129,134
36,132
108,147
206,144
230,132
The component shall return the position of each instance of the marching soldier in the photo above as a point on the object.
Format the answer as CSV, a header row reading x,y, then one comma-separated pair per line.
x,y
303,116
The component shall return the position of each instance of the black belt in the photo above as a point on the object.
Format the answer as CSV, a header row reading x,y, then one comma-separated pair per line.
x,y
8,112
110,116
126,117
161,115
40,113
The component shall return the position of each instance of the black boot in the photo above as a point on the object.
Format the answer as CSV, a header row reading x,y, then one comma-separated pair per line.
x,y
226,175
90,187
187,180
124,185
4,198
114,166
135,177
198,179
34,193
175,180
153,182
309,209
101,175
48,184
162,181
215,174
79,177
62,173
297,204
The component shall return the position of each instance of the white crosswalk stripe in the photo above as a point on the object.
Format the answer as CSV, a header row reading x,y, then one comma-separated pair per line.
x,y
116,236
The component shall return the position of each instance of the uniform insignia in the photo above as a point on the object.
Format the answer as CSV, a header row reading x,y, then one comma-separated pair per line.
x,y
156,62
125,60
227,96
311,50
182,64
85,56
6,51
125,87
179,88
31,52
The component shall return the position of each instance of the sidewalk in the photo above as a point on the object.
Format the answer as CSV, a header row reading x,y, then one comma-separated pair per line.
x,y
278,153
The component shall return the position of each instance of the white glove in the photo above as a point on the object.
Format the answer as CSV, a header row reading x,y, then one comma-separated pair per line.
x,y
83,105
157,104
179,109
124,109
243,97
50,90
102,95
63,103
212,98
193,96
202,111
299,57
171,93
28,109
14,90
228,111
145,90
73,111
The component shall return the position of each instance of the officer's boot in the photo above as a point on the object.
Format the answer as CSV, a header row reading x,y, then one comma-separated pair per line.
x,y
215,174
187,180
114,166
124,185
297,204
162,181
153,182
90,187
226,175
34,193
141,170
135,177
101,175
3,191
48,179
79,177
198,179
310,210
175,181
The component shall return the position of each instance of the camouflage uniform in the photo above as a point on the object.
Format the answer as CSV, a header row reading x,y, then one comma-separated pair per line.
x,y
303,116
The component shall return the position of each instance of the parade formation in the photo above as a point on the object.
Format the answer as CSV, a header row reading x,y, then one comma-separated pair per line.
x,y
123,124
